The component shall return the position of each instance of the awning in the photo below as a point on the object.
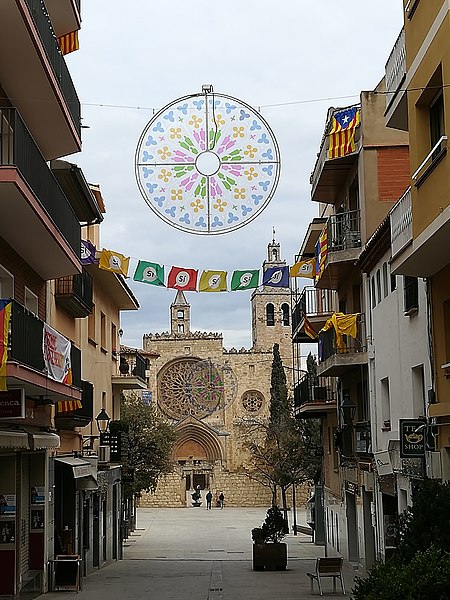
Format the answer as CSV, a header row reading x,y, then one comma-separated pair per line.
x,y
45,440
87,483
13,439
80,467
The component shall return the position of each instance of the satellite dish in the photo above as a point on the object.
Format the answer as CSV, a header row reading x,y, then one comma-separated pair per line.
x,y
207,163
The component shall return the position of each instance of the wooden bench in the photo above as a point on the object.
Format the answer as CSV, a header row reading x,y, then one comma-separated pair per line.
x,y
328,566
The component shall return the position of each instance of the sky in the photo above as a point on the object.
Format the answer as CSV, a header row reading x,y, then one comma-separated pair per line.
x,y
288,60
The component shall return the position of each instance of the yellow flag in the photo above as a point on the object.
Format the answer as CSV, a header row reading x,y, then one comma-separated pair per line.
x,y
113,261
304,268
213,281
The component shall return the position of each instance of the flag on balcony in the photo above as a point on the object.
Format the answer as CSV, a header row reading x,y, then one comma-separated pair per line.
x,y
182,279
304,268
5,315
343,325
213,281
56,350
321,253
276,277
68,405
309,329
244,280
342,134
69,42
114,261
149,272
88,253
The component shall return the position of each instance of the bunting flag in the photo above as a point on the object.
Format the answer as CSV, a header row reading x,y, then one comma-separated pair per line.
x,y
69,42
309,329
321,252
68,405
5,316
149,272
213,281
276,277
304,268
182,279
113,261
88,251
245,280
342,134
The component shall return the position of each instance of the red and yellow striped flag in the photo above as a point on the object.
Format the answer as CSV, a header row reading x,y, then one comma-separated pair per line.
x,y
68,405
309,329
69,42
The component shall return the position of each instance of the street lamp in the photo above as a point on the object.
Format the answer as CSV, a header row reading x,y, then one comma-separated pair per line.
x,y
348,410
102,421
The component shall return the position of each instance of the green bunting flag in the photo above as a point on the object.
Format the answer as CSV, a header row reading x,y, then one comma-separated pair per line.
x,y
244,280
148,272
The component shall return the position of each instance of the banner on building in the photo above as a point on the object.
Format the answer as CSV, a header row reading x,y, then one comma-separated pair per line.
x,y
56,350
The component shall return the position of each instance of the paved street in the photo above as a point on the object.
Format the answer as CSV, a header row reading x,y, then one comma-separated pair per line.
x,y
204,555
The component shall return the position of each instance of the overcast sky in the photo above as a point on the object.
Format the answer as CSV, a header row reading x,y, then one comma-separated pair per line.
x,y
291,60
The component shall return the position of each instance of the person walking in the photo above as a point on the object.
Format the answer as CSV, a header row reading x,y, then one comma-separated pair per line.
x,y
208,500
221,500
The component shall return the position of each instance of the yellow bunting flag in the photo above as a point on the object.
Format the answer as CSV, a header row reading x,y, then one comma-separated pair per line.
x,y
213,281
304,268
113,261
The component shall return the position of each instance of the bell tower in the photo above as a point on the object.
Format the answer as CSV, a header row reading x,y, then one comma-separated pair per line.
x,y
180,315
271,310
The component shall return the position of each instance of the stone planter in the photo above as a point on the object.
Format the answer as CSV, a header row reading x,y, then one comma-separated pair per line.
x,y
270,557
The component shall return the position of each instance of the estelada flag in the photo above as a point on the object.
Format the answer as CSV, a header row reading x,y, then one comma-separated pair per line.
x,y
342,134
182,279
213,281
304,268
114,261
276,276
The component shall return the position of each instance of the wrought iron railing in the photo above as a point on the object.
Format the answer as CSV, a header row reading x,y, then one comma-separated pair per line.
x,y
344,231
329,344
132,364
313,302
56,59
17,148
79,286
313,389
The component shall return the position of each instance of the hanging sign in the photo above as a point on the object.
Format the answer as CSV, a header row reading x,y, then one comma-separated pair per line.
x,y
412,438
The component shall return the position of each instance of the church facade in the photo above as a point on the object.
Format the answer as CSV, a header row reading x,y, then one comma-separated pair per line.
x,y
209,392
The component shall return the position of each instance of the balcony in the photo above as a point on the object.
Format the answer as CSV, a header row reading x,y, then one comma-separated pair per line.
x,y
37,219
401,224
65,15
25,366
339,353
131,372
74,294
81,416
344,247
35,77
317,305
396,99
314,397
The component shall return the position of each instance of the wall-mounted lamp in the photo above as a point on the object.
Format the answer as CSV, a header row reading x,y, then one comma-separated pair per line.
x,y
103,421
348,410
120,332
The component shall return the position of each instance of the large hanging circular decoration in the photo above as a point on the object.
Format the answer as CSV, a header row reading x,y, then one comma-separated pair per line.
x,y
207,163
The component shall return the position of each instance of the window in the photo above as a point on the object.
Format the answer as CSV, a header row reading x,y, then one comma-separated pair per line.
x,y
91,325
410,295
373,295
285,314
378,286
270,315
436,121
446,308
385,404
385,280
103,330
393,282
418,391
113,340
180,328
31,301
251,369
6,284
180,314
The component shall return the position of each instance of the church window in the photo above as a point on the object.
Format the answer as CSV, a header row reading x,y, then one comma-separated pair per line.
x,y
270,315
252,401
187,349
180,314
180,328
285,314
251,369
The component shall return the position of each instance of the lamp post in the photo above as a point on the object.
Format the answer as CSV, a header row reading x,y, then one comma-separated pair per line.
x,y
102,421
348,410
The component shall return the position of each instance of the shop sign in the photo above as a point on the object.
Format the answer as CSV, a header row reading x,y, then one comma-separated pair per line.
x,y
351,487
412,438
12,404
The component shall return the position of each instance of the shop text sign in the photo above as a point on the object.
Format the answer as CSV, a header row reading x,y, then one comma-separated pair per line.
x,y
12,404
412,438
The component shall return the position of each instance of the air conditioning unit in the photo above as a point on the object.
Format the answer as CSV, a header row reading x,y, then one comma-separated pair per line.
x,y
104,454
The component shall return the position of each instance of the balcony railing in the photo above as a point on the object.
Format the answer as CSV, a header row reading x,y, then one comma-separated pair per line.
x,y
50,43
401,223
132,364
314,302
25,342
17,148
313,389
74,294
329,344
344,231
395,68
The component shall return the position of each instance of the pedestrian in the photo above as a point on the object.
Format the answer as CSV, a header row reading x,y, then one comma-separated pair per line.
x,y
208,500
221,500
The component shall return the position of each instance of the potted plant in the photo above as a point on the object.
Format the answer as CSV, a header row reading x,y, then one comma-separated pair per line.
x,y
269,552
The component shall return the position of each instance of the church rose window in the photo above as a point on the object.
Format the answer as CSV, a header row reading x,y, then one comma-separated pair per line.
x,y
252,401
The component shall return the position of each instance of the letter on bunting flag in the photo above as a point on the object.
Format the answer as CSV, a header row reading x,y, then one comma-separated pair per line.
x,y
88,253
182,279
342,134
276,277
5,315
304,268
213,281
245,280
149,272
113,261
